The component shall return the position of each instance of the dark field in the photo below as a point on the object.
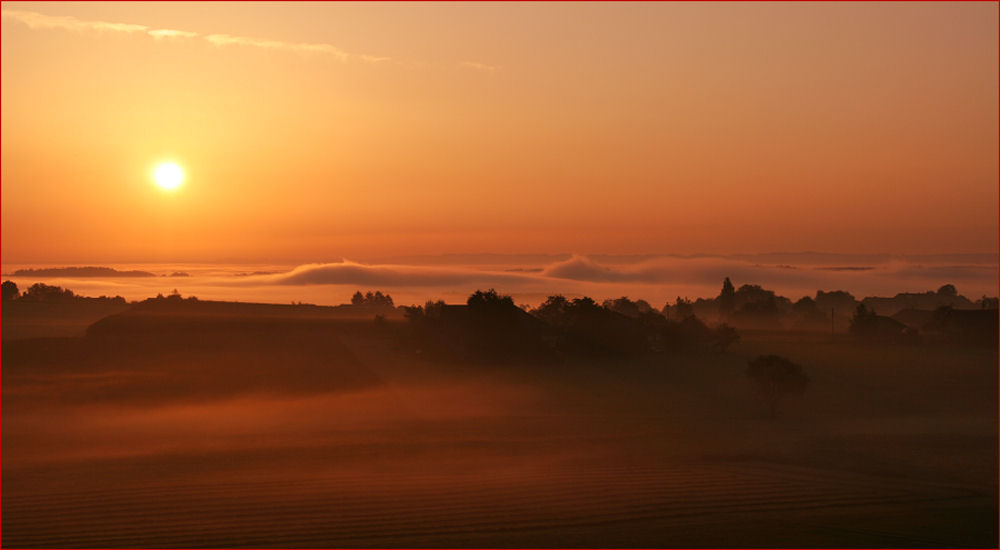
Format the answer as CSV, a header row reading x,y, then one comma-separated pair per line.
x,y
266,431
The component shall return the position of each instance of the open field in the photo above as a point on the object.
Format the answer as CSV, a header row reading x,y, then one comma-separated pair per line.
x,y
331,438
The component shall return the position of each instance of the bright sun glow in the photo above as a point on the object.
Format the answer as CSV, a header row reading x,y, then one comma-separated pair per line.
x,y
168,175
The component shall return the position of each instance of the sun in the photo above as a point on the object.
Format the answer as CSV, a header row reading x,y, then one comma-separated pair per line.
x,y
168,175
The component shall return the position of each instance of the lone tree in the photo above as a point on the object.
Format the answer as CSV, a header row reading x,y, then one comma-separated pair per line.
x,y
9,291
727,299
776,378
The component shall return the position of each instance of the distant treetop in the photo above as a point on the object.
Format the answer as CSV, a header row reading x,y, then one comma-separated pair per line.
x,y
372,299
80,272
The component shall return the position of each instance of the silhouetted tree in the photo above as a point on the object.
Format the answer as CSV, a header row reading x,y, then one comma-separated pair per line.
x,y
727,299
378,299
430,310
807,316
583,326
682,309
483,300
372,299
837,300
775,378
41,292
552,310
414,314
948,290
758,307
748,294
627,307
804,307
761,313
492,328
8,291
433,309
864,321
989,303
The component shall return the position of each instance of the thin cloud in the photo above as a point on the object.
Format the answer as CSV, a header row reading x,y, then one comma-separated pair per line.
x,y
171,33
35,20
64,22
479,66
374,58
41,21
230,40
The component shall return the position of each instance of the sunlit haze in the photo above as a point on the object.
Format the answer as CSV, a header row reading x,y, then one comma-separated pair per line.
x,y
319,131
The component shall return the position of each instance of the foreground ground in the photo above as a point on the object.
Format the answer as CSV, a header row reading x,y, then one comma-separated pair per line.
x,y
336,439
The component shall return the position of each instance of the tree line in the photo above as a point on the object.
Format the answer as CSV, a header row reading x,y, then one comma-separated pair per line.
x,y
41,292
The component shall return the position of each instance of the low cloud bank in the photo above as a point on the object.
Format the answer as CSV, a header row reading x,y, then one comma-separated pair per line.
x,y
531,280
710,270
886,278
347,272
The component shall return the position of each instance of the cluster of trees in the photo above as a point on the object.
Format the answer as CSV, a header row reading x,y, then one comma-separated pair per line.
x,y
753,307
989,303
40,292
491,327
372,299
749,306
626,326
174,296
80,272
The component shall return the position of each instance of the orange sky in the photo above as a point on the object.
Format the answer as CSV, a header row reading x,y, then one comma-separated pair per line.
x,y
314,131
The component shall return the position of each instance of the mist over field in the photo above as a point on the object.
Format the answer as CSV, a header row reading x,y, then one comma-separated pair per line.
x,y
176,422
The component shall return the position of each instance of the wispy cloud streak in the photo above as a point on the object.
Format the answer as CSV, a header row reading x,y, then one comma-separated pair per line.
x,y
474,65
41,21
170,33
230,40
